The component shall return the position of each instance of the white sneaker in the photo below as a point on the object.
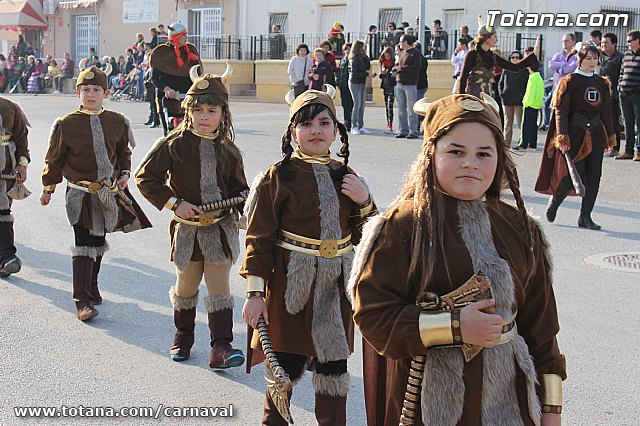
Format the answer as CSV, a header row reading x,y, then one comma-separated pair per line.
x,y
355,131
364,131
57,93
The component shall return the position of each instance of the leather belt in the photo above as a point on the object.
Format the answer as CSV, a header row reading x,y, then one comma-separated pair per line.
x,y
322,248
586,124
90,187
202,219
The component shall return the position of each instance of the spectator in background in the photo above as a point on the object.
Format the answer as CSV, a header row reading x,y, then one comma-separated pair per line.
x,y
9,72
390,39
629,87
329,56
299,65
457,60
511,88
161,31
423,82
532,103
21,46
610,65
342,79
438,47
93,58
18,73
388,84
131,62
35,81
373,42
359,65
154,38
29,51
336,38
52,72
562,63
497,71
66,71
139,40
277,43
321,72
3,73
28,70
407,70
595,38
464,33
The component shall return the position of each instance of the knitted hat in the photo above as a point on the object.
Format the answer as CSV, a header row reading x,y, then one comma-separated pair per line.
x,y
443,114
93,75
209,83
311,97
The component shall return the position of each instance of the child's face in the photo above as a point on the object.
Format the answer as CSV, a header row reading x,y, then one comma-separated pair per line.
x,y
466,160
319,57
315,136
91,96
206,118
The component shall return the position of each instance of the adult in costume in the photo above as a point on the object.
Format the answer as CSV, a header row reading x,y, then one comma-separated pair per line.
x,y
171,63
90,149
449,224
14,159
198,164
582,127
477,75
304,215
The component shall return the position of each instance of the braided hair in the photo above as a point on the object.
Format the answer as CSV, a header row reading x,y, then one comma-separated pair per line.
x,y
308,113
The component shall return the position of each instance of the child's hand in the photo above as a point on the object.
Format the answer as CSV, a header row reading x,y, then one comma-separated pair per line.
x,y
45,199
186,210
353,188
252,309
479,328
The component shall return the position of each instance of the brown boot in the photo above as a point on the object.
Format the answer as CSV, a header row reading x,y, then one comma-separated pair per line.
x,y
96,298
331,399
271,416
223,355
184,317
82,267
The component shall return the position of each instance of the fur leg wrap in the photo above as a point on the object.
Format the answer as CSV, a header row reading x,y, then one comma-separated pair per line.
x,y
182,303
86,251
332,385
6,218
219,302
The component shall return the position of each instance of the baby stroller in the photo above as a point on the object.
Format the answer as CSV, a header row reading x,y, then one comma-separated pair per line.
x,y
130,89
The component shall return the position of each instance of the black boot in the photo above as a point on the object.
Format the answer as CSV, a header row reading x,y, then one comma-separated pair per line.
x,y
184,318
150,119
223,355
9,263
82,269
96,298
588,202
554,202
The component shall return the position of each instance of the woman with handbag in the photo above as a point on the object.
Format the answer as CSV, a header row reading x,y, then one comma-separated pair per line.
x,y
299,65
486,362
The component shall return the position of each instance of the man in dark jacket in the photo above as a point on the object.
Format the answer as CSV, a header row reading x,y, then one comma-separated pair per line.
x,y
629,87
407,70
342,79
511,87
610,65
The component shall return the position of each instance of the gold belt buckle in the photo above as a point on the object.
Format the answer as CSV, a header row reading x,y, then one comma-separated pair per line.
x,y
328,249
206,219
94,187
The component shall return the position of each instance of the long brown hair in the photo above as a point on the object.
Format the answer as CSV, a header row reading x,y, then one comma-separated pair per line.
x,y
421,186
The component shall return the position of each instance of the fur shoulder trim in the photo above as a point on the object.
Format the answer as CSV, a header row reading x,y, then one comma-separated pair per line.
x,y
156,146
252,199
370,233
132,140
54,127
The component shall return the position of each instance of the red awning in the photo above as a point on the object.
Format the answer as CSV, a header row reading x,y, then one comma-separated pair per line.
x,y
21,13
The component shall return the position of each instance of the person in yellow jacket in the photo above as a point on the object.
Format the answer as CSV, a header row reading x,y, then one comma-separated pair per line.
x,y
532,103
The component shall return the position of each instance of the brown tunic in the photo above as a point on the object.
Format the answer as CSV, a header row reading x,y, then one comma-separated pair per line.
x,y
14,124
71,152
573,96
387,316
293,206
161,176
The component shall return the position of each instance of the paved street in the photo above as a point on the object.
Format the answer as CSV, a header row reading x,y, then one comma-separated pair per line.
x,y
120,359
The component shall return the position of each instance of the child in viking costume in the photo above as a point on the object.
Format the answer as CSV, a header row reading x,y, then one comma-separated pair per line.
x,y
170,63
14,159
582,128
90,149
477,74
460,281
304,215
195,165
